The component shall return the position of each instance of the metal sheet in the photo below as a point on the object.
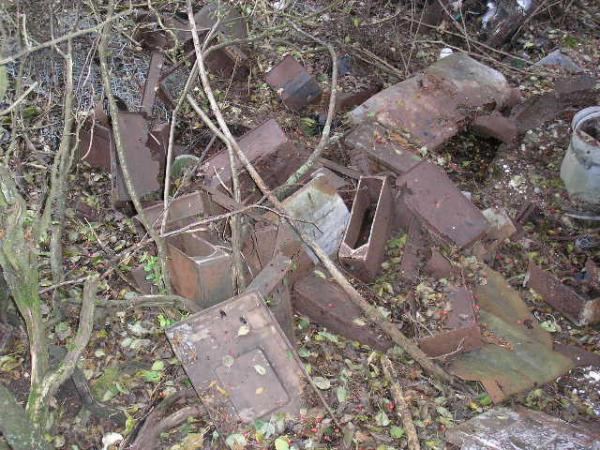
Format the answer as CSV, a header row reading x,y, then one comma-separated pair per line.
x,y
519,354
239,362
383,148
575,307
272,153
184,210
322,213
520,429
326,304
432,107
143,161
434,199
296,87
362,249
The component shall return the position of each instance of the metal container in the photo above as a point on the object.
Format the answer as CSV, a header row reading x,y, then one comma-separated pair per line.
x,y
580,169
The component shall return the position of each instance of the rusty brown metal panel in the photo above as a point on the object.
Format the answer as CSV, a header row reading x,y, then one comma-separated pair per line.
x,y
296,87
434,199
96,145
259,245
435,105
381,148
273,285
462,330
363,247
412,256
274,155
157,59
144,163
239,362
576,308
199,270
326,304
184,210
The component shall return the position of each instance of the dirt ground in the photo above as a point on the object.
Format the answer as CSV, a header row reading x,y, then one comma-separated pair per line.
x,y
129,363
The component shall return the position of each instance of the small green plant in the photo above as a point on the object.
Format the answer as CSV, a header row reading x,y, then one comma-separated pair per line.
x,y
152,268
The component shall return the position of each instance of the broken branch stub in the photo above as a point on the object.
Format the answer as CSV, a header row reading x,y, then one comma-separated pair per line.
x,y
239,362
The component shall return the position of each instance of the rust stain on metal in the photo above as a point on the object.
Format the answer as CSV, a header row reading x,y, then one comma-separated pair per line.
x,y
296,87
239,362
517,354
462,330
200,271
362,249
578,309
326,304
428,193
384,152
434,106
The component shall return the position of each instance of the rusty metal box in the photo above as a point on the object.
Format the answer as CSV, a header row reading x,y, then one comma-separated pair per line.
x,y
199,270
363,248
239,362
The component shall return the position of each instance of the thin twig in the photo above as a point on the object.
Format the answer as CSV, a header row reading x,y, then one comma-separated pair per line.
x,y
402,408
19,100
235,223
316,154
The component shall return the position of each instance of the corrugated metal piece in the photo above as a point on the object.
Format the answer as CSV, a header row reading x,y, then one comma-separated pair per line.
x,y
199,270
296,87
362,249
239,362
578,309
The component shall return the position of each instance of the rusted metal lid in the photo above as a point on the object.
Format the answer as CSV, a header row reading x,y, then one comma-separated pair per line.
x,y
240,362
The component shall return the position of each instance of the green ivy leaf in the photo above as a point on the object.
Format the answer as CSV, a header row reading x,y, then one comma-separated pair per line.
x,y
342,394
382,419
322,383
397,432
281,444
